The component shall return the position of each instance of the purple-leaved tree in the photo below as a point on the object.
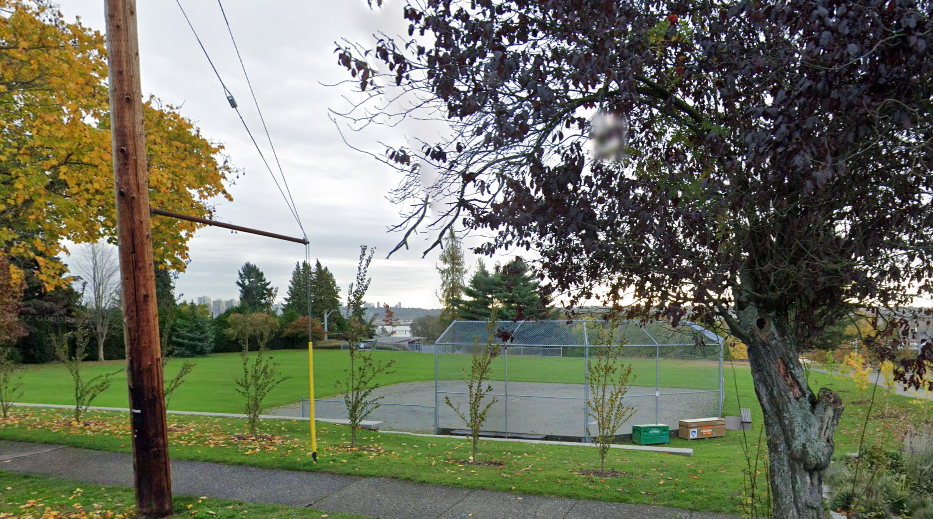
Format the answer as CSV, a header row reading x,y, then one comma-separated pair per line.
x,y
764,165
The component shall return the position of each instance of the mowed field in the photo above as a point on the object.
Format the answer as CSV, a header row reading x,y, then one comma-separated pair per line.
x,y
712,480
211,386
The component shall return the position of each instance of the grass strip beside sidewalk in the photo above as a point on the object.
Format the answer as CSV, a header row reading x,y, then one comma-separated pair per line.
x,y
41,497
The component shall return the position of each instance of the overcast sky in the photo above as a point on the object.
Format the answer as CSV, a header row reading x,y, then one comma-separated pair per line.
x,y
288,48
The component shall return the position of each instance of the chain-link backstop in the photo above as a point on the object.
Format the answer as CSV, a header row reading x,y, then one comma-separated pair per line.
x,y
540,378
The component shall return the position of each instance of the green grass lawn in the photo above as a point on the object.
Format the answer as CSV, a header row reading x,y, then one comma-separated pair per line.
x,y
210,387
712,480
32,497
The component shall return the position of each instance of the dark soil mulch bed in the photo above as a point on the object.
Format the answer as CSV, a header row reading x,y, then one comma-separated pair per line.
x,y
371,450
259,438
480,463
611,473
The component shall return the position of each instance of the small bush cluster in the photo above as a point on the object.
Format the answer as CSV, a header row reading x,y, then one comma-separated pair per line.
x,y
737,350
888,483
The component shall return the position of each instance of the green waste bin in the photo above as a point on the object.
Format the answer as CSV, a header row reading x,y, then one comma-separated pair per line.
x,y
651,434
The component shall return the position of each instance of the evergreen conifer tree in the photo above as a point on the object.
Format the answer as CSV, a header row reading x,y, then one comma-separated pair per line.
x,y
477,304
325,294
193,334
296,301
256,293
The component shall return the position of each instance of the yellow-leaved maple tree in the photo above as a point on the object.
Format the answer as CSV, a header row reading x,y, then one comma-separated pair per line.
x,y
56,177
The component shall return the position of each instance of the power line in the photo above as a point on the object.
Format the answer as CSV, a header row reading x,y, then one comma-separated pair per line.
x,y
258,110
209,60
288,200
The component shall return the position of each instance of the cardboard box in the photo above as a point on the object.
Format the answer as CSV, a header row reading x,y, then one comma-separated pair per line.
x,y
697,428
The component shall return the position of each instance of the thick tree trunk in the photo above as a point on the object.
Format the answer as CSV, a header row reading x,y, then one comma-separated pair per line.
x,y
799,424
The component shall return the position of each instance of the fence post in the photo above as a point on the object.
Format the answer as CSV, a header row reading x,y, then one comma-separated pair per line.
x,y
506,390
722,383
586,385
657,382
437,429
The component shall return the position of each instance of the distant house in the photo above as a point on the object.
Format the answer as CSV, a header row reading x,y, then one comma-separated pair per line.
x,y
919,325
921,330
399,329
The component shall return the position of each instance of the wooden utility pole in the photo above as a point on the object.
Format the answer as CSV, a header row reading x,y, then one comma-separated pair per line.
x,y
143,356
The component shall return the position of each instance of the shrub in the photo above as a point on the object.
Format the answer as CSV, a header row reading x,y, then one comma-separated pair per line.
x,y
85,390
193,334
876,493
170,385
918,451
858,368
10,381
922,509
738,350
296,331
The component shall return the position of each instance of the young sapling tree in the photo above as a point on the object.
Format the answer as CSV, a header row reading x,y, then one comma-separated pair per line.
x,y
363,376
261,373
85,391
11,385
609,379
171,384
11,295
478,387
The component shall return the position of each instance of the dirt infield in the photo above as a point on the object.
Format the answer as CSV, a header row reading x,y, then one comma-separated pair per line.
x,y
553,410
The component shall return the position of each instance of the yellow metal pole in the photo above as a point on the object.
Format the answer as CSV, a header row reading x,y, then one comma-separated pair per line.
x,y
311,403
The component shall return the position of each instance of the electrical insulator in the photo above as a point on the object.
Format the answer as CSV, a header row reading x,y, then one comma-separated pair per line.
x,y
231,100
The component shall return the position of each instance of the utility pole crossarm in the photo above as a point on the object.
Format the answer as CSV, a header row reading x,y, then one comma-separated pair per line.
x,y
215,223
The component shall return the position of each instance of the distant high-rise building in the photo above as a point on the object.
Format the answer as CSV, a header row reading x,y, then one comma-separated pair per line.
x,y
231,303
206,301
218,308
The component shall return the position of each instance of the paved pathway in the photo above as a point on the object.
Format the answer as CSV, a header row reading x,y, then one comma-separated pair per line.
x,y
878,378
377,497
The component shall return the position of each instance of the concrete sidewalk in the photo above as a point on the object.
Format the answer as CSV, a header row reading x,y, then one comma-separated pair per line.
x,y
375,497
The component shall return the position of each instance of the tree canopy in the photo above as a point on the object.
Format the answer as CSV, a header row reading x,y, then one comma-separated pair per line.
x,y
192,334
45,314
165,302
325,295
296,300
256,292
453,271
511,289
56,177
771,171
11,293
479,292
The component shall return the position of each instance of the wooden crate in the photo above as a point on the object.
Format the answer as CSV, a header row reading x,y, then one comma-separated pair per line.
x,y
697,428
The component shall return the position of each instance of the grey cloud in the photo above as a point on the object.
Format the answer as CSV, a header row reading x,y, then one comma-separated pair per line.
x,y
288,50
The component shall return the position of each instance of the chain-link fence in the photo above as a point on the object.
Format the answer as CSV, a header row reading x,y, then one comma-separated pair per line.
x,y
540,379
